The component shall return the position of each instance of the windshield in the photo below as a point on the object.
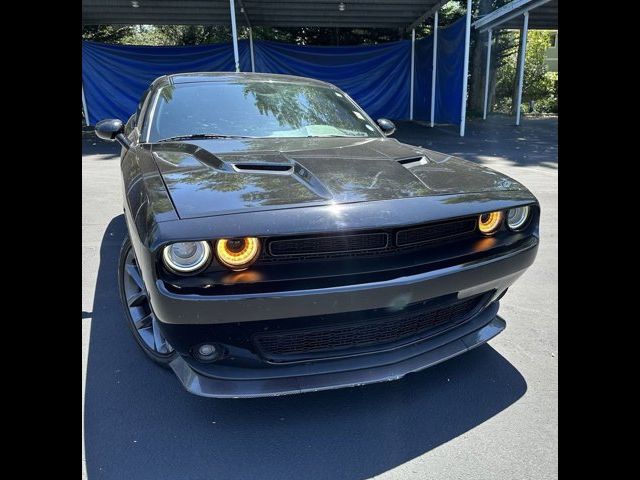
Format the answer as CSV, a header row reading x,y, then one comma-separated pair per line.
x,y
256,109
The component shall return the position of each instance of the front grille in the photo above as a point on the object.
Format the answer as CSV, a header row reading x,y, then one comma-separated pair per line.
x,y
367,243
331,244
417,323
437,231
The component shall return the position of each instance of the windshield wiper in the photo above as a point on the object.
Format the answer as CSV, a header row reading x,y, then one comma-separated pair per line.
x,y
199,136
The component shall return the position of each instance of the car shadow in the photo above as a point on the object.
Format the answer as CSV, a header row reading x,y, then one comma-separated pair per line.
x,y
140,423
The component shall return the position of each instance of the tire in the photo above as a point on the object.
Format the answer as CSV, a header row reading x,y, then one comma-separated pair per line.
x,y
146,332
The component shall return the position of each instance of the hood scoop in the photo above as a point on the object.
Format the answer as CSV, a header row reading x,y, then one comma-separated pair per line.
x,y
267,167
293,168
413,161
289,167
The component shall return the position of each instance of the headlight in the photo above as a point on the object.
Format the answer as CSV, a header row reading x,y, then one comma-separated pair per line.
x,y
488,223
517,217
186,257
237,253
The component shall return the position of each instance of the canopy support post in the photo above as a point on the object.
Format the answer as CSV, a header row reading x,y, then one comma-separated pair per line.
x,y
84,108
486,75
465,74
413,70
234,33
433,71
253,62
523,54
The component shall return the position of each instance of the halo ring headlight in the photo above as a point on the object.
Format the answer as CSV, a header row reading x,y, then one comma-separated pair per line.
x,y
489,223
186,257
237,253
517,217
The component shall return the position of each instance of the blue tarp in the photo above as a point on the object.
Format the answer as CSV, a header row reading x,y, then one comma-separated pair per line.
x,y
378,77
449,72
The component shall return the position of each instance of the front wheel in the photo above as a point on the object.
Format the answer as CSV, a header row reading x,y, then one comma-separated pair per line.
x,y
135,301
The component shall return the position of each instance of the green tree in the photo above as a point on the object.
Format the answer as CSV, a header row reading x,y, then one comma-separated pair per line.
x,y
107,33
540,88
193,34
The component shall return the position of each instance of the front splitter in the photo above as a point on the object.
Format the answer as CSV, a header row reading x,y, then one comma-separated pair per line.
x,y
206,386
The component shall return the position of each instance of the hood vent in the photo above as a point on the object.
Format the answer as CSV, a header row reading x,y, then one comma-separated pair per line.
x,y
263,167
413,161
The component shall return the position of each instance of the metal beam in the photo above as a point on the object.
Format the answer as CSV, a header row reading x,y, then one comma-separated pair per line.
x,y
333,4
172,14
362,9
507,12
465,74
433,70
533,25
486,75
319,22
302,14
426,15
525,29
329,23
126,4
234,34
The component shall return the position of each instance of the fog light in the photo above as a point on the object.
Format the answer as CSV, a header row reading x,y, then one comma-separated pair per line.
x,y
207,352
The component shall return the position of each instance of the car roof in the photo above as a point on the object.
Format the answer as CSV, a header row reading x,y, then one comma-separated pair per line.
x,y
222,77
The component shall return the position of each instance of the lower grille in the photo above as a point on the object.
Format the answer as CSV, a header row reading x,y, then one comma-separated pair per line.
x,y
334,339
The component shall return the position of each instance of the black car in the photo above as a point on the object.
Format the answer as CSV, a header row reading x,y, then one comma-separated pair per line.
x,y
280,242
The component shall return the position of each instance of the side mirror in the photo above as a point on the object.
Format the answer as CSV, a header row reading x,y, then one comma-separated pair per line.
x,y
111,130
387,126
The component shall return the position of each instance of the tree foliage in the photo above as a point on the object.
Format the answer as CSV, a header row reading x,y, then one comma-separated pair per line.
x,y
108,33
540,88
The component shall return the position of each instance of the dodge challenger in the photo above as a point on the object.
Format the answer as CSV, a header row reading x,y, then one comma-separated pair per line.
x,y
279,241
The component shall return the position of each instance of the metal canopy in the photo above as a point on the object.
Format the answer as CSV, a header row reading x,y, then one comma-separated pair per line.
x,y
543,15
275,13
522,15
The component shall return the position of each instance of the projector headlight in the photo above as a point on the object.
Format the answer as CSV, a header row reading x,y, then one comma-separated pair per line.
x,y
517,217
488,223
186,257
237,253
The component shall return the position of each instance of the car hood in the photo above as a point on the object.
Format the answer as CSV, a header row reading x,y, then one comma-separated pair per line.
x,y
219,176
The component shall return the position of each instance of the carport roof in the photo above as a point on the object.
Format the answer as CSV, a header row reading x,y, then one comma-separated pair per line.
x,y
275,13
543,15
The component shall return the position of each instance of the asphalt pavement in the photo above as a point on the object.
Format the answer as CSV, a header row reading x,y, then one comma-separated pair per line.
x,y
488,414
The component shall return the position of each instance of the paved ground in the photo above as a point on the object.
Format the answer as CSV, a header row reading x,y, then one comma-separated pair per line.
x,y
489,414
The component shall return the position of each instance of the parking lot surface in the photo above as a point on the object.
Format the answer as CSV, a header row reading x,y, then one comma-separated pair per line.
x,y
488,414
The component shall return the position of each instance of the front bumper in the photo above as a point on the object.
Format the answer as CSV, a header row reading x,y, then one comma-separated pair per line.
x,y
359,371
495,272
246,374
